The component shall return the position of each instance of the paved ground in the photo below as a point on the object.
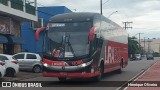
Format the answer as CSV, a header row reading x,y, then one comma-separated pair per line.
x,y
133,68
21,76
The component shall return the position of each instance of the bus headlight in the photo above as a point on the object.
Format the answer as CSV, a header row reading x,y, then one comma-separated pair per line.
x,y
45,64
85,64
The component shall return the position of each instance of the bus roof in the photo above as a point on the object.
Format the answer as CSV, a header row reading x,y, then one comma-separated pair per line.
x,y
73,17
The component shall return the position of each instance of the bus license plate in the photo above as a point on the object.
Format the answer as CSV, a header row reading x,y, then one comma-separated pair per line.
x,y
63,73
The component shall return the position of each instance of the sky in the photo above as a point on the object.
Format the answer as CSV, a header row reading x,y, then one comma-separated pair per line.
x,y
145,14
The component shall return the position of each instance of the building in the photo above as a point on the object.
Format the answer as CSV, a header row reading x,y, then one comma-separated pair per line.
x,y
28,29
12,14
151,45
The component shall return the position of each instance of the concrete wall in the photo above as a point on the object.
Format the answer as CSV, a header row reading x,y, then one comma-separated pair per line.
x,y
1,48
17,24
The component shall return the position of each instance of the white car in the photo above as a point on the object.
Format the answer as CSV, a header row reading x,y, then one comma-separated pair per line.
x,y
29,61
11,65
2,68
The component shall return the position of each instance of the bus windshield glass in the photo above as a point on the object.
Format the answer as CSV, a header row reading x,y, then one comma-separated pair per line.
x,y
68,40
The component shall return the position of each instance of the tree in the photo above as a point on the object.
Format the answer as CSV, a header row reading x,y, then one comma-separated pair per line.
x,y
132,46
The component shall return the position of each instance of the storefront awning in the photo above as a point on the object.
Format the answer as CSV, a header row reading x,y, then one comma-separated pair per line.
x,y
17,40
3,39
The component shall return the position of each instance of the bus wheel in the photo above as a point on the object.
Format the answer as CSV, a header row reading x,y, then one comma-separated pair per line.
x,y
62,79
99,77
121,68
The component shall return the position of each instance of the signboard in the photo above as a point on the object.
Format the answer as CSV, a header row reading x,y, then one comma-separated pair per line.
x,y
6,25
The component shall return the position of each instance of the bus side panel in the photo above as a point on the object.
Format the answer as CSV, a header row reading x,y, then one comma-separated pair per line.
x,y
114,53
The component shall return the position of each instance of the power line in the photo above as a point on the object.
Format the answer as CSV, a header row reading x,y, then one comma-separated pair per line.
x,y
101,5
105,2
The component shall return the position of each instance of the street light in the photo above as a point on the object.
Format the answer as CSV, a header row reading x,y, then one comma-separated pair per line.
x,y
112,13
101,4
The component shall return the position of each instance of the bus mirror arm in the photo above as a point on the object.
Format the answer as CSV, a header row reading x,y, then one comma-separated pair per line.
x,y
38,32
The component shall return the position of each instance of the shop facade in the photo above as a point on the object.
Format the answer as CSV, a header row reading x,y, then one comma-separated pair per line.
x,y
12,14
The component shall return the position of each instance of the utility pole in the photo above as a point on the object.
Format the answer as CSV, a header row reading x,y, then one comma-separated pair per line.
x,y
101,6
144,41
149,45
127,25
140,40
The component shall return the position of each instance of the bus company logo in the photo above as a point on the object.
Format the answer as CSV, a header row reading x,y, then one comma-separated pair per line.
x,y
6,84
21,84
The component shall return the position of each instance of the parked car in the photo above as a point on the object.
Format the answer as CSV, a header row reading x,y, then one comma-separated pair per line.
x,y
136,57
11,65
29,61
2,68
150,56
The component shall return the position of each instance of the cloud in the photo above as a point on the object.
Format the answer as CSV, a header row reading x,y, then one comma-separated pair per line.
x,y
143,13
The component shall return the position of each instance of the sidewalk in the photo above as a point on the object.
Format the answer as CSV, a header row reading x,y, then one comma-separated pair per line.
x,y
152,74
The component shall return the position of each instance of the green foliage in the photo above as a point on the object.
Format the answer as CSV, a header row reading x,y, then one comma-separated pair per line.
x,y
156,54
133,46
4,2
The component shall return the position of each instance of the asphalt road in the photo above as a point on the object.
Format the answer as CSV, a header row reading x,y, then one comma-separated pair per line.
x,y
133,68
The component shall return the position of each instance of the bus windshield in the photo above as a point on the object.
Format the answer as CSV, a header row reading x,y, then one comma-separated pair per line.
x,y
67,40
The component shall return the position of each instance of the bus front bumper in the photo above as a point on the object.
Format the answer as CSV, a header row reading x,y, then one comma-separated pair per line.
x,y
70,75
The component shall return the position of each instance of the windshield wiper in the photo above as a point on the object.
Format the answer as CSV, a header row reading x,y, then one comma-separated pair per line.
x,y
69,44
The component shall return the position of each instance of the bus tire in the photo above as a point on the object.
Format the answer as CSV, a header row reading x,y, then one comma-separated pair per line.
x,y
121,67
62,79
101,70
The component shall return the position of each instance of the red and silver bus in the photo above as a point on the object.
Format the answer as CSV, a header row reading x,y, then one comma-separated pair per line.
x,y
83,45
